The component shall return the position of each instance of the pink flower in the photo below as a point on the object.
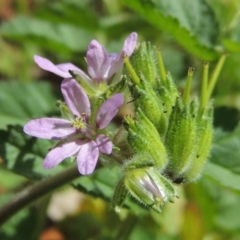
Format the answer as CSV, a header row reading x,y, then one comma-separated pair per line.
x,y
101,65
78,137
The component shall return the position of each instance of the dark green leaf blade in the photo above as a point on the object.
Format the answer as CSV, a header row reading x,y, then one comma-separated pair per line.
x,y
184,21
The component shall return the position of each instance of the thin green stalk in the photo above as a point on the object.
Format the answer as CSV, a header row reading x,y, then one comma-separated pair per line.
x,y
35,191
161,66
204,97
214,77
126,228
187,91
132,72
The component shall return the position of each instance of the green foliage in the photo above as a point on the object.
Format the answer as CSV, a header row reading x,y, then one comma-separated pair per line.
x,y
20,102
184,21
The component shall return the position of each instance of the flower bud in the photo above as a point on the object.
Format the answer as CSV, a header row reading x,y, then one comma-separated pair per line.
x,y
149,187
180,138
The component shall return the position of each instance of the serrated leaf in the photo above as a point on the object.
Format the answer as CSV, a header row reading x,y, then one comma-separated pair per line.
x,y
99,184
24,155
191,23
47,34
20,102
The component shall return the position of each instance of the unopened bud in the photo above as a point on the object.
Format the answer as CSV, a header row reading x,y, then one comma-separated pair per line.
x,y
149,187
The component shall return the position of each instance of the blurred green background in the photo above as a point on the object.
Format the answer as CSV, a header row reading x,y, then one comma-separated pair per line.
x,y
188,33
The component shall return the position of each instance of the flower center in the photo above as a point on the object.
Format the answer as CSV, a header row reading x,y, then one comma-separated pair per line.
x,y
79,123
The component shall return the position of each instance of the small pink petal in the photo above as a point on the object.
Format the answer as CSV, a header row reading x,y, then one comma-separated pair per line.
x,y
75,97
128,49
66,67
49,66
108,110
98,60
59,153
130,44
49,128
104,144
87,158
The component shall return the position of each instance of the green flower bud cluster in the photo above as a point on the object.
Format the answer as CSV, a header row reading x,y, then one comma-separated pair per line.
x,y
170,134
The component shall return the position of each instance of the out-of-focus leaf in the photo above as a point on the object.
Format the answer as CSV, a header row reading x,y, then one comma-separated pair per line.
x,y
21,225
232,42
71,12
99,184
9,180
226,149
23,154
47,34
191,23
222,176
20,102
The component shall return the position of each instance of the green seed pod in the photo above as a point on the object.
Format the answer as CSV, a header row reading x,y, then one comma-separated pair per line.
x,y
149,187
143,137
203,143
168,93
180,138
151,107
144,60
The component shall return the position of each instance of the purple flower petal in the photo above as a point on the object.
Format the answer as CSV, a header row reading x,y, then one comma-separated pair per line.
x,y
75,97
65,67
98,60
128,48
87,158
108,110
49,66
59,153
129,44
104,144
49,128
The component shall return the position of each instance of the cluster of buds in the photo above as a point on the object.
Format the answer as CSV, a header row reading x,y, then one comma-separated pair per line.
x,y
170,133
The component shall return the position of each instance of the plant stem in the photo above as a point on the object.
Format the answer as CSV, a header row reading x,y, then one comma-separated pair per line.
x,y
133,74
127,227
214,77
33,192
204,97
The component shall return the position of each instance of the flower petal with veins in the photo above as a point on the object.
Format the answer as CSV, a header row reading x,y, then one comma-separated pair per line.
x,y
59,153
108,110
87,158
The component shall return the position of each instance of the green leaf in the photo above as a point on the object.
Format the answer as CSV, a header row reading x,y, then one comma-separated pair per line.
x,y
24,155
226,149
21,225
46,34
99,184
222,176
232,42
224,165
191,23
20,102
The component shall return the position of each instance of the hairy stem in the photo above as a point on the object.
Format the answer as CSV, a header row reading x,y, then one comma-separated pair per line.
x,y
35,191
